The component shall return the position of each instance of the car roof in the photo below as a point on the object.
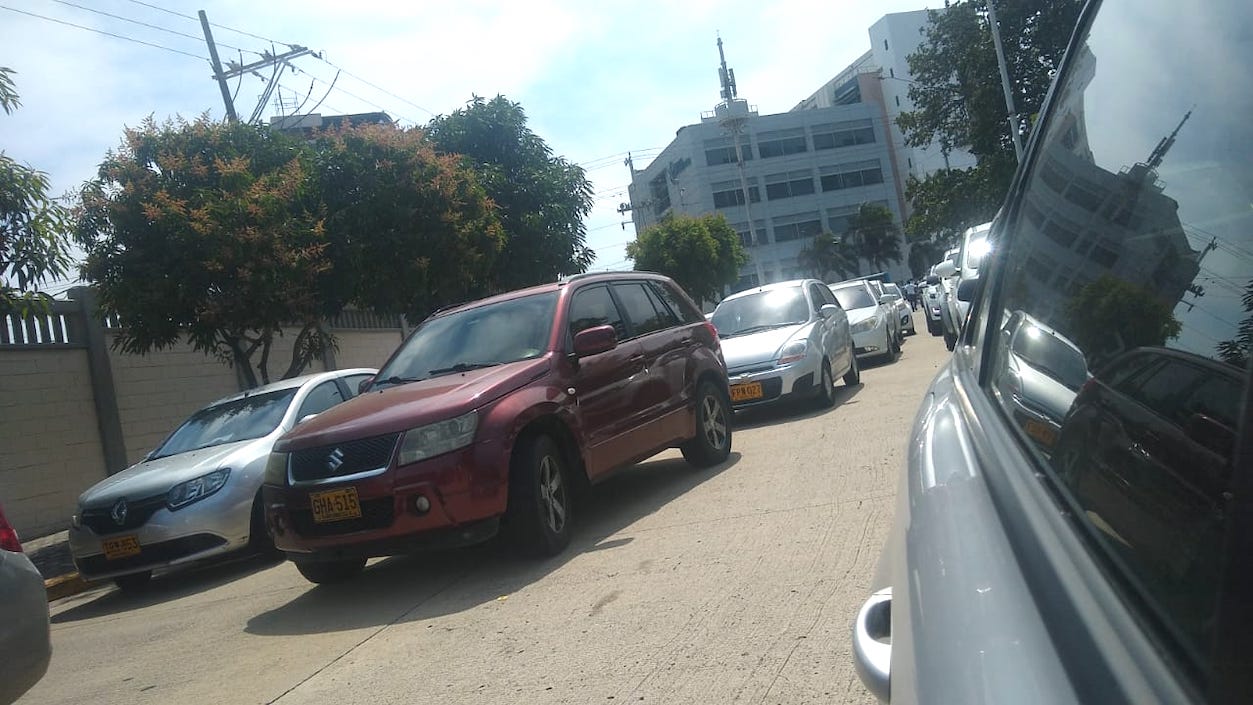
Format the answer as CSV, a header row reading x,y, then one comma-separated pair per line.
x,y
581,279
849,283
769,287
294,382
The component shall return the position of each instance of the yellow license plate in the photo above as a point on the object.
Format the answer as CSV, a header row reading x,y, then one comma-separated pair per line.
x,y
1041,432
746,392
335,505
121,547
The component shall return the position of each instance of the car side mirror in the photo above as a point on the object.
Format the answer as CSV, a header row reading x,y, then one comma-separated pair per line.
x,y
885,299
595,340
828,310
966,290
932,280
305,418
364,385
945,269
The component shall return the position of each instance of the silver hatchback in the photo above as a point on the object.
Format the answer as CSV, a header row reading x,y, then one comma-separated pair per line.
x,y
197,496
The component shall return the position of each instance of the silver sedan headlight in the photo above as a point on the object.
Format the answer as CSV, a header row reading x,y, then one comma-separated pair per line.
x,y
866,325
792,352
185,493
438,438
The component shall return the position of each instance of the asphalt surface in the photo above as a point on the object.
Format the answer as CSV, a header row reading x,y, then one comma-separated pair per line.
x,y
736,584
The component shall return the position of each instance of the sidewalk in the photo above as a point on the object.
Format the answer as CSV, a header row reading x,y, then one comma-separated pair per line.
x,y
51,555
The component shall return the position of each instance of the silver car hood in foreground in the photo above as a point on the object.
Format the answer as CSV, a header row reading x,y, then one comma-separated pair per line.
x,y
153,477
760,348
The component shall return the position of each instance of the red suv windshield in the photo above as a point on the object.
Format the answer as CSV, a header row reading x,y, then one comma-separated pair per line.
x,y
491,334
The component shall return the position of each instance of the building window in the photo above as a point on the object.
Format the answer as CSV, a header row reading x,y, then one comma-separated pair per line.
x,y
748,281
1104,256
1085,195
835,178
910,161
759,231
660,192
898,101
788,184
892,72
798,226
1060,234
722,151
843,134
781,142
729,194
885,45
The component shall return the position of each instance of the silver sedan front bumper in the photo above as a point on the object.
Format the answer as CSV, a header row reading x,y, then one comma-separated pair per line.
x,y
776,382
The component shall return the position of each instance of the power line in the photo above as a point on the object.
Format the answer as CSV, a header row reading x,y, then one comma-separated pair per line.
x,y
213,24
354,95
150,26
378,88
107,34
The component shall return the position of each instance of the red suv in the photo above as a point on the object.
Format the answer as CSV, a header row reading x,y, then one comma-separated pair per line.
x,y
491,412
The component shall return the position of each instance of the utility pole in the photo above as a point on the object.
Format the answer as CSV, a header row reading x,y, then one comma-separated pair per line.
x,y
217,69
1009,95
733,114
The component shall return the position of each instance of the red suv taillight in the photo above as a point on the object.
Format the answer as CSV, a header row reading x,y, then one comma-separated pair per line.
x,y
8,536
713,331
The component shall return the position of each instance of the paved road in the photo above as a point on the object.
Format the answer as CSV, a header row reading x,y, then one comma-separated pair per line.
x,y
731,585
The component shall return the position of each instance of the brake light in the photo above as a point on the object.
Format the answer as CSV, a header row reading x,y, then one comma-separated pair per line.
x,y
8,536
713,331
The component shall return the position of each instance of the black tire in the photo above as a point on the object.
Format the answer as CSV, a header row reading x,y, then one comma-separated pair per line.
x,y
895,346
826,386
935,328
852,378
328,572
540,497
712,443
134,583
259,540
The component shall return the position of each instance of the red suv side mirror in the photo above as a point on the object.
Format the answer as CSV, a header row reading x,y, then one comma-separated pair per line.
x,y
595,340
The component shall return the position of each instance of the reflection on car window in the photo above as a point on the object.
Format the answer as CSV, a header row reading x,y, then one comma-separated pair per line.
x,y
595,307
760,310
239,420
854,297
1131,248
687,313
493,333
644,316
321,398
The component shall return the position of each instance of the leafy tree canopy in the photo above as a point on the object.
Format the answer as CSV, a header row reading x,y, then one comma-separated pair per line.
x,y
542,199
230,233
703,254
1111,315
957,95
1238,350
33,242
829,257
874,236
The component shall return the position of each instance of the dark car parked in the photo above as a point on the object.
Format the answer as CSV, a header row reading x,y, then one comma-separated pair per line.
x,y
1104,560
491,412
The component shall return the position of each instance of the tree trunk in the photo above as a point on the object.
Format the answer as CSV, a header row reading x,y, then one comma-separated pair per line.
x,y
302,353
242,361
263,365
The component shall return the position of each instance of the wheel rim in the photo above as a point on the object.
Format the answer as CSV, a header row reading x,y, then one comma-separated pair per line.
x,y
714,421
552,492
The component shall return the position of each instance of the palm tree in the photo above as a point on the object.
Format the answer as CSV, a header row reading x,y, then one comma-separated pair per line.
x,y
829,256
874,235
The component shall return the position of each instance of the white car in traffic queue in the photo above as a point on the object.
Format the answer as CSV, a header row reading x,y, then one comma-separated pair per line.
x,y
903,309
197,496
975,246
869,319
789,340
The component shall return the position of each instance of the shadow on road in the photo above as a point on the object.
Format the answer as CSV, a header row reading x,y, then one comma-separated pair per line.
x,y
427,585
758,416
171,586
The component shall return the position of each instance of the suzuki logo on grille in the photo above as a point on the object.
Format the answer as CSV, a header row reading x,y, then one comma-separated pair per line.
x,y
334,460
119,512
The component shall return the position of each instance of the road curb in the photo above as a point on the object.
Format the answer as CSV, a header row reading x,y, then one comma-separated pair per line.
x,y
65,586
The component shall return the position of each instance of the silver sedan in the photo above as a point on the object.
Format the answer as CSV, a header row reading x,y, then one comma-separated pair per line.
x,y
25,648
197,496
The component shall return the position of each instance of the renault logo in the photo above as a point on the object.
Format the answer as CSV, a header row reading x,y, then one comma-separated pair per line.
x,y
119,512
334,460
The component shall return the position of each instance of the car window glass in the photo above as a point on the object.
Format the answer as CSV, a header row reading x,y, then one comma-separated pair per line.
x,y
1138,253
321,398
239,420
354,383
815,295
762,310
595,307
828,296
687,313
853,297
638,308
666,316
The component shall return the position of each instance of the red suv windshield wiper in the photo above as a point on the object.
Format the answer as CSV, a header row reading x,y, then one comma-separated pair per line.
x,y
463,367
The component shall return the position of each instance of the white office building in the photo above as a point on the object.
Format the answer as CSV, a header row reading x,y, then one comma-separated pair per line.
x,y
804,171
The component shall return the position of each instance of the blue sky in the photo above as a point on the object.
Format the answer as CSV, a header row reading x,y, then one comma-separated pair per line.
x,y
596,79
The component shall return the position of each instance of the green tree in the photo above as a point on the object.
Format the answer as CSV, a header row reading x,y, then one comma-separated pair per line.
x,y
408,230
1237,350
922,255
33,242
225,233
829,258
948,202
957,95
542,199
874,236
1111,315
703,254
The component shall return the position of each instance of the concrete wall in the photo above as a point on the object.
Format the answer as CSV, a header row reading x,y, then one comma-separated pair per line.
x,y
365,348
50,447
